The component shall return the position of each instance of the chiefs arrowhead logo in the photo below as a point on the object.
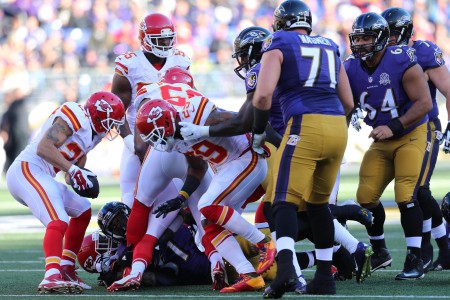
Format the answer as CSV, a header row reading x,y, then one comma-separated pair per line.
x,y
103,106
154,114
89,264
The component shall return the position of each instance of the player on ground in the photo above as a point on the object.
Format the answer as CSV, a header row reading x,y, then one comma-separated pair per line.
x,y
62,145
153,188
389,85
429,57
239,171
133,70
311,86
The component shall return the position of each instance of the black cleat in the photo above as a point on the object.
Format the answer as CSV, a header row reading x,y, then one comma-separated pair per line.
x,y
412,269
427,257
436,266
380,259
321,285
362,257
278,287
444,259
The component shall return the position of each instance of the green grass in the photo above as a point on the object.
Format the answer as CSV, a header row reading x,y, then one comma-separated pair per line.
x,y
21,268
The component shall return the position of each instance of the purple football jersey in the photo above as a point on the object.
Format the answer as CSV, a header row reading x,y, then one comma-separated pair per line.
x,y
380,92
309,74
276,116
429,56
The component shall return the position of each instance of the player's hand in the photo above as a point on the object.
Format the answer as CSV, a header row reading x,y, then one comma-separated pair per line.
x,y
129,142
258,140
80,178
357,114
103,262
169,206
446,139
381,133
191,131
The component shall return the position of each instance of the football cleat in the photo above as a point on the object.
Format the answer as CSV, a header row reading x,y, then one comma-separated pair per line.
x,y
380,259
130,282
444,259
427,257
68,273
436,266
54,284
245,283
267,252
412,269
362,258
286,280
219,277
299,287
321,285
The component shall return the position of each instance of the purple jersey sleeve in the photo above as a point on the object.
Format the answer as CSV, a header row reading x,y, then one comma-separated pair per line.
x,y
276,116
429,56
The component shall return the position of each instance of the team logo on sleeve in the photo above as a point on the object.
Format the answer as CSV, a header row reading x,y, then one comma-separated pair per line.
x,y
384,79
267,42
438,56
411,53
252,79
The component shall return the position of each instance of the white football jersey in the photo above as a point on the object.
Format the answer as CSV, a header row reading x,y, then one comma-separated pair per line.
x,y
139,72
216,150
176,94
76,146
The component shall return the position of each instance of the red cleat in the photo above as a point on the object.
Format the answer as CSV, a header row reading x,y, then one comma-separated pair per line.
x,y
130,282
245,283
219,277
267,252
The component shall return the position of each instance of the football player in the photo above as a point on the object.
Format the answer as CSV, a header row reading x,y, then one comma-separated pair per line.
x,y
429,57
312,88
239,171
157,173
63,143
247,52
133,70
391,87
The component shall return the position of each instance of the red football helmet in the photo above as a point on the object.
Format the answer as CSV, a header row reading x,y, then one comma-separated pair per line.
x,y
105,111
178,75
155,120
94,248
157,35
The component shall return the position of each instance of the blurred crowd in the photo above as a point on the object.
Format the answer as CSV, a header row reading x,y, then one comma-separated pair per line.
x,y
62,50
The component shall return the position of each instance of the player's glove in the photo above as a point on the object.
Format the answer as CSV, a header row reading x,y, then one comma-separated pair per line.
x,y
129,142
80,178
357,114
169,206
191,131
446,139
258,140
103,262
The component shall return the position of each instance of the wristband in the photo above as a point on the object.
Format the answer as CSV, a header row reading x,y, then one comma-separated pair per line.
x,y
189,186
260,120
395,126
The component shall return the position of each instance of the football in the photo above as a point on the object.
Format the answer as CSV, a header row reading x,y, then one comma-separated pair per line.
x,y
91,192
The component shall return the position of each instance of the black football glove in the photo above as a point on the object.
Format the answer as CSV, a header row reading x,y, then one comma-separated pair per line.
x,y
446,139
167,207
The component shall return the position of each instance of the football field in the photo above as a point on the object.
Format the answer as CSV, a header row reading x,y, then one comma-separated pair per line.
x,y
21,270
22,261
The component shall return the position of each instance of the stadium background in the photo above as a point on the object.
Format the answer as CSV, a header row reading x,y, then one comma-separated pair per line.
x,y
54,51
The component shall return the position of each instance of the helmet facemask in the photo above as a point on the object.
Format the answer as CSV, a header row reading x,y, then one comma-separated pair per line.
x,y
160,45
157,137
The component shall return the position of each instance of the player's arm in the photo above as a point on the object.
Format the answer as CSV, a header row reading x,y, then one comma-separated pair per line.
x,y
345,92
195,173
416,87
440,77
238,125
122,88
140,147
53,138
